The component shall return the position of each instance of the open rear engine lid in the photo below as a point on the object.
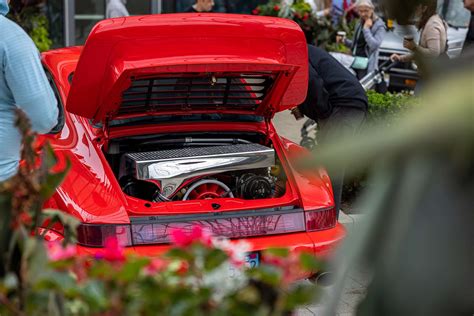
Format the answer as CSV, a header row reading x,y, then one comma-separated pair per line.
x,y
192,63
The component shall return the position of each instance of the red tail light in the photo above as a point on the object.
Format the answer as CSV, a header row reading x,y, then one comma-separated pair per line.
x,y
143,231
146,231
320,219
95,235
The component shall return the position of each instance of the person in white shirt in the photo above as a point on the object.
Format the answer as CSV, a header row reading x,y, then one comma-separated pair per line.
x,y
116,8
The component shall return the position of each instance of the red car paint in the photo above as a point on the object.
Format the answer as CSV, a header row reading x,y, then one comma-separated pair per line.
x,y
120,49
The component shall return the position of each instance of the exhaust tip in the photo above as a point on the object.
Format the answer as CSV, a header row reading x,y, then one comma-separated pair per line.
x,y
323,278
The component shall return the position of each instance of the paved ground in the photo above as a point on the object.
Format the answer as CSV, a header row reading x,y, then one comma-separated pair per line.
x,y
354,289
356,285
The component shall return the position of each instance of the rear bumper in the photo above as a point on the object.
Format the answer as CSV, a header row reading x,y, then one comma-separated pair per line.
x,y
321,244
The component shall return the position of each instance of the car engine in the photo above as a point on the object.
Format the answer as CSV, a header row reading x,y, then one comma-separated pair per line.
x,y
243,170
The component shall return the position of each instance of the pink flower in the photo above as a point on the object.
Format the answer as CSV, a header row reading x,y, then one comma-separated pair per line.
x,y
290,266
156,265
113,251
184,238
56,251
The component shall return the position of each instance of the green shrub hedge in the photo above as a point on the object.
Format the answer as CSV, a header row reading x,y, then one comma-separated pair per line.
x,y
387,106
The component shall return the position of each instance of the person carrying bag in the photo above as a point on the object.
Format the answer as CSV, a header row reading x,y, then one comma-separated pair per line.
x,y
367,40
433,44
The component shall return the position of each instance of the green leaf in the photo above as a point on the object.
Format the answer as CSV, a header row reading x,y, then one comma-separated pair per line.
x,y
278,252
131,269
52,280
49,157
52,181
69,222
301,295
309,262
94,294
214,258
267,274
178,253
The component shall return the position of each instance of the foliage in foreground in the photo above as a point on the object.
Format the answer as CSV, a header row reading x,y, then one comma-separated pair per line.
x,y
384,110
198,275
418,214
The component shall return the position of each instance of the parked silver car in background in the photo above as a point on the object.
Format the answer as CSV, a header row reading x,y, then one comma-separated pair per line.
x,y
404,76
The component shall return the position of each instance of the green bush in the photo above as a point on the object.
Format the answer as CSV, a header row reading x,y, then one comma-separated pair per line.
x,y
387,106
35,23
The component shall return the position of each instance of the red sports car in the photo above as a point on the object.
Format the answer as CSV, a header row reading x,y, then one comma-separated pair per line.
x,y
168,124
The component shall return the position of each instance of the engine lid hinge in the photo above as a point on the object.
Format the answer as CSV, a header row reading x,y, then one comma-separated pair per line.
x,y
105,127
267,128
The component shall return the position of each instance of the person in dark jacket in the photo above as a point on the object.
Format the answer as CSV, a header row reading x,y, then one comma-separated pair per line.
x,y
201,6
336,101
469,43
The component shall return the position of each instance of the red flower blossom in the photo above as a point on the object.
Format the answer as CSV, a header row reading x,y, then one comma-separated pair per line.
x,y
276,7
289,266
156,265
305,16
56,251
256,11
22,219
183,238
113,251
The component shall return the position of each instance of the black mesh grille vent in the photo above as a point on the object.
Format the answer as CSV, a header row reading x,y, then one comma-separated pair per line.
x,y
243,92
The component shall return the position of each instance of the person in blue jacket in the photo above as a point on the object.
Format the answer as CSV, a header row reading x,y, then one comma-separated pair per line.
x,y
23,85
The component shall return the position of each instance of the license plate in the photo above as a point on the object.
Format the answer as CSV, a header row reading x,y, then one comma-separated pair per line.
x,y
252,260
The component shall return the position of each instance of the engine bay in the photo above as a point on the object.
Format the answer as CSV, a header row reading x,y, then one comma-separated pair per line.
x,y
197,166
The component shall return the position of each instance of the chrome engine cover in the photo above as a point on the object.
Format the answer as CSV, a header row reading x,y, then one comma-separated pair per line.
x,y
172,167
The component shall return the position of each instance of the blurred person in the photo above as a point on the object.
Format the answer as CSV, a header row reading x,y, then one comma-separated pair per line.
x,y
23,85
318,8
337,102
201,6
368,37
433,42
469,43
338,9
116,9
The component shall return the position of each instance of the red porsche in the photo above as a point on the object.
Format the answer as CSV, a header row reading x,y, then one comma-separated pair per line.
x,y
168,125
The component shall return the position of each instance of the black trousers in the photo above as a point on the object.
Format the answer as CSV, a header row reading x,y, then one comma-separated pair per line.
x,y
342,124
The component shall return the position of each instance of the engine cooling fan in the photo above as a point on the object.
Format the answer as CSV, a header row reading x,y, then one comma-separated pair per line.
x,y
207,189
